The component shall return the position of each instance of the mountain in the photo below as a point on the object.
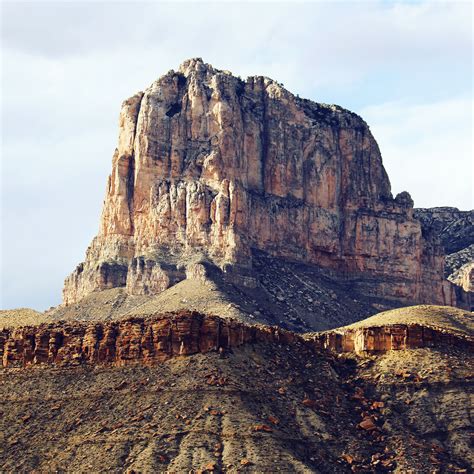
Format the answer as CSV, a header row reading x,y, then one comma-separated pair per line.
x,y
188,392
245,304
212,174
454,229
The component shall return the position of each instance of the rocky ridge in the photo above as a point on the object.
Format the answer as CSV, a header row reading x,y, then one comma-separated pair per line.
x,y
455,231
210,168
381,339
454,228
198,393
456,260
155,338
145,341
464,277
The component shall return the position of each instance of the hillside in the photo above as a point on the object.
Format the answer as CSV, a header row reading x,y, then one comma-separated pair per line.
x,y
21,317
292,295
262,406
445,317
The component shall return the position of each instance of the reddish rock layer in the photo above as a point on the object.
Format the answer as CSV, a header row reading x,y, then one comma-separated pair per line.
x,y
210,167
389,338
158,338
137,340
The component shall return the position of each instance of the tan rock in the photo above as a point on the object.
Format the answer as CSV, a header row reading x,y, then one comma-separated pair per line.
x,y
152,339
209,167
464,277
380,339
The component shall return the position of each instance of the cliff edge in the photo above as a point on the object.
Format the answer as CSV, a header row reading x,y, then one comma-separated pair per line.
x,y
210,169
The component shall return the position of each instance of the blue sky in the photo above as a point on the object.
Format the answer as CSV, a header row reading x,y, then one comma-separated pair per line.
x,y
406,67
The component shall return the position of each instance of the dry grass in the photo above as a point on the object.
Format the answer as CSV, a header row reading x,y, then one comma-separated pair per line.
x,y
21,317
445,317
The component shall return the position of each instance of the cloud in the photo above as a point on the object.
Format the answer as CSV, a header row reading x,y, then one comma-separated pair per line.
x,y
67,66
427,149
305,44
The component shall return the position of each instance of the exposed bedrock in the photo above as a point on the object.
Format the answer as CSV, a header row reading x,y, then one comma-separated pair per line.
x,y
209,167
382,339
145,340
454,229
154,339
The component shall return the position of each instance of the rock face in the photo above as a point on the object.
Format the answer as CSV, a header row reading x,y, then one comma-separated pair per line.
x,y
455,228
153,339
210,168
454,261
464,277
381,339
137,340
455,231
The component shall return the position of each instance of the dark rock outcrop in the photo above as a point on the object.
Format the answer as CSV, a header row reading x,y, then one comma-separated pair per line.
x,y
454,229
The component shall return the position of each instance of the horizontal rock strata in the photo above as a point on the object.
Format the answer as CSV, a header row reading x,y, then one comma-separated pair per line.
x,y
155,339
389,338
137,340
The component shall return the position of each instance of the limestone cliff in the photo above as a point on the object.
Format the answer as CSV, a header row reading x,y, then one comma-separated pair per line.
x,y
152,339
454,228
210,168
455,231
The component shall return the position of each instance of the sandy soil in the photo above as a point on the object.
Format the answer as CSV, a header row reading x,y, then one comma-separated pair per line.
x,y
21,317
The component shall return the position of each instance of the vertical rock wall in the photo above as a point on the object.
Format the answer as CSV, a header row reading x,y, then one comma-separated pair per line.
x,y
209,167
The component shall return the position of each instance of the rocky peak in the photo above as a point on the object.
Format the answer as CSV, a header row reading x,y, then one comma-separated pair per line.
x,y
210,168
455,228
197,67
193,64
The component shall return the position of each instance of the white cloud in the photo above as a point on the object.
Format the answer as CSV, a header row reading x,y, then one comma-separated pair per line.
x,y
67,66
427,149
302,44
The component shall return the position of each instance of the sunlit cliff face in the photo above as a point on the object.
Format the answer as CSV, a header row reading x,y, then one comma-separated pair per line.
x,y
209,167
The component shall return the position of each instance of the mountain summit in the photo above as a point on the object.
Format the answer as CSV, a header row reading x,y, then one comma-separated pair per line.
x,y
212,171
233,202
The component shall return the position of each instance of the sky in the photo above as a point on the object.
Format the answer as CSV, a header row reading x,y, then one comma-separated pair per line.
x,y
405,67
